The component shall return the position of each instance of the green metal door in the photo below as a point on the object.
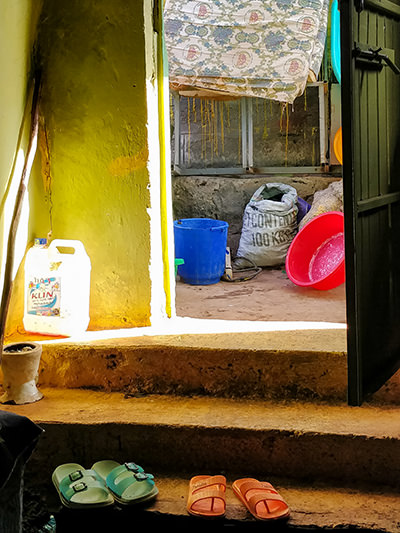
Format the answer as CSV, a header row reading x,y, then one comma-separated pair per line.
x,y
370,79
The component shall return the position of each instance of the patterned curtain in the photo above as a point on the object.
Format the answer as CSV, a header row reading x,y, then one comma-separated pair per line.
x,y
259,48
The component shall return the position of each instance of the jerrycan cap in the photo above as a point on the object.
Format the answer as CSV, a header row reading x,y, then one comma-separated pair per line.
x,y
40,241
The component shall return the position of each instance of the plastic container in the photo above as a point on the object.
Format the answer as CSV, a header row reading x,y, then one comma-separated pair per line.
x,y
57,288
316,255
335,40
201,243
337,145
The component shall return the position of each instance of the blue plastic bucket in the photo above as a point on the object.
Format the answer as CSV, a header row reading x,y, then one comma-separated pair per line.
x,y
201,243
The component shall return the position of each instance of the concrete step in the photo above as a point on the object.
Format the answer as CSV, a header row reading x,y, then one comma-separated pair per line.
x,y
286,361
299,440
335,465
268,404
273,364
312,508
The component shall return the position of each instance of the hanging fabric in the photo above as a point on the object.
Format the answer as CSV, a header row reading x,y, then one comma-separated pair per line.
x,y
256,48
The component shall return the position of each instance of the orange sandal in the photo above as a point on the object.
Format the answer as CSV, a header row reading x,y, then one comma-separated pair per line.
x,y
261,499
207,496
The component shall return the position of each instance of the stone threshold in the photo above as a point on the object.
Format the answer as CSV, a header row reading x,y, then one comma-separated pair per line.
x,y
211,357
185,356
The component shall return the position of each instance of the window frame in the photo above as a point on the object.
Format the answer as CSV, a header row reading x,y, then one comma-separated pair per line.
x,y
248,145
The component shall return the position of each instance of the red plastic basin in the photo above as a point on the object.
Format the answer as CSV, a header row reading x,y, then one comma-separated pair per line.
x,y
316,255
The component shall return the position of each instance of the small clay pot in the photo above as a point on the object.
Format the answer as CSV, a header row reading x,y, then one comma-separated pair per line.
x,y
20,364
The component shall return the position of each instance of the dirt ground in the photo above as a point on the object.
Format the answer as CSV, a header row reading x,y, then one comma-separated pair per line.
x,y
270,296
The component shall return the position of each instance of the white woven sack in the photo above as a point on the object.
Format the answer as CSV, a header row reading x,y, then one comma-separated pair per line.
x,y
269,226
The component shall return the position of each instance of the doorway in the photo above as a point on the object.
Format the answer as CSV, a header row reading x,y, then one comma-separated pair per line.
x,y
223,149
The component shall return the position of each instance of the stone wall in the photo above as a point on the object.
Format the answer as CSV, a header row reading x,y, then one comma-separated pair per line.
x,y
225,198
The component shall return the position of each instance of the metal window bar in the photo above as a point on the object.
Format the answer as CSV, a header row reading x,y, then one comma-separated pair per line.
x,y
177,129
245,117
323,123
250,143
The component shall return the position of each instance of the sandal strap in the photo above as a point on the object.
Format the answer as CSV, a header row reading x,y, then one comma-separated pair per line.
x,y
69,488
78,475
121,469
259,497
136,475
212,487
132,467
263,492
210,482
257,485
207,493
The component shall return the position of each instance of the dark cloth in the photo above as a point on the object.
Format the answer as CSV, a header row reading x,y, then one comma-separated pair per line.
x,y
18,438
11,500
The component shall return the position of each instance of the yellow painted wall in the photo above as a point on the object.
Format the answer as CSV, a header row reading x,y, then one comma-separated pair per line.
x,y
18,26
17,30
95,118
91,181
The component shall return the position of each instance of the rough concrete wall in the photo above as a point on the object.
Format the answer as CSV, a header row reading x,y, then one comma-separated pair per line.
x,y
94,153
225,198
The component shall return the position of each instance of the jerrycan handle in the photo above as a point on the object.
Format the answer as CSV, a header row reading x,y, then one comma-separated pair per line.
x,y
67,243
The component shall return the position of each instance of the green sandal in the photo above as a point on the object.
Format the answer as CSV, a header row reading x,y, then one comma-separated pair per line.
x,y
128,483
79,488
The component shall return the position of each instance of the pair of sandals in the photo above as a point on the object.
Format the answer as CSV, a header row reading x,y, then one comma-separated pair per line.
x,y
103,484
207,497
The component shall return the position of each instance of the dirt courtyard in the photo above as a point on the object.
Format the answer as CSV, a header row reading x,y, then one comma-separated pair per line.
x,y
270,296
